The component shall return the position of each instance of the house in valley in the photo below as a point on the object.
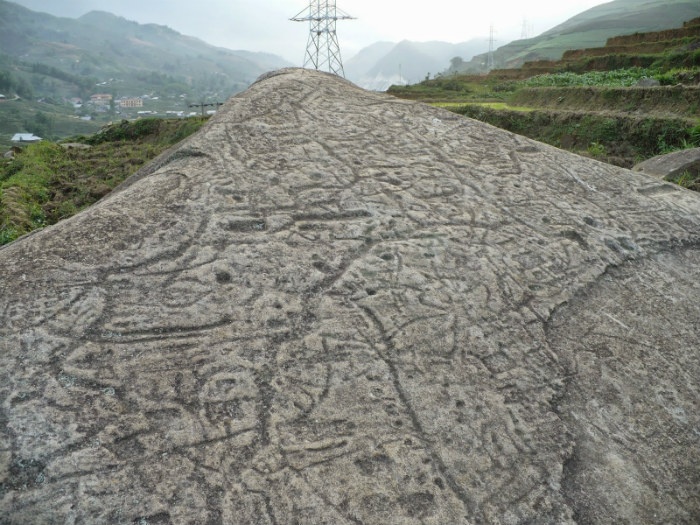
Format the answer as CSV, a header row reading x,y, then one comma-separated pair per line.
x,y
101,99
134,102
25,138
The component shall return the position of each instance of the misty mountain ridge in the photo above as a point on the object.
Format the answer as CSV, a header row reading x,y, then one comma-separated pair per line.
x,y
108,48
385,63
382,64
103,46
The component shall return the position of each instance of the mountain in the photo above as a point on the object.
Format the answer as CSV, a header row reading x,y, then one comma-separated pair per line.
x,y
124,56
385,63
358,67
591,28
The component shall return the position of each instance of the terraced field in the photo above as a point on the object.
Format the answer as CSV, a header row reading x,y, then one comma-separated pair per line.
x,y
636,97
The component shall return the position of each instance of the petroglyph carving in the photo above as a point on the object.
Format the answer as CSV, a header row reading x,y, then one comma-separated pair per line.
x,y
351,309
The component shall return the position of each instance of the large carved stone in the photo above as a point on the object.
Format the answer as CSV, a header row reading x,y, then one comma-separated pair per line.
x,y
331,306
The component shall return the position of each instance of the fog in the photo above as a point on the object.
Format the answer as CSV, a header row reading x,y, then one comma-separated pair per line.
x,y
264,26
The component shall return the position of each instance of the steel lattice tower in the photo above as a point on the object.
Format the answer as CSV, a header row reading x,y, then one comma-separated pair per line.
x,y
322,50
490,61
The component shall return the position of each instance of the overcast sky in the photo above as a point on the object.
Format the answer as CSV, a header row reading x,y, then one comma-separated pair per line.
x,y
263,25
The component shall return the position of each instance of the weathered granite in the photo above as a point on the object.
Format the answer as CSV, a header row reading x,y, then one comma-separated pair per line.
x,y
671,164
331,306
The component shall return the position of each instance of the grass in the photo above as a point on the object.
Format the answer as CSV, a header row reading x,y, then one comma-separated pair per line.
x,y
614,78
47,182
687,180
591,107
553,48
452,106
454,88
620,140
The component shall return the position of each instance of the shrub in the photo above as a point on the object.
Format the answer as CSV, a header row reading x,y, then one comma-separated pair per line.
x,y
616,78
596,149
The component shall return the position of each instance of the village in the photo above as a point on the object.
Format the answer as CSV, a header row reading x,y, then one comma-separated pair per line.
x,y
106,108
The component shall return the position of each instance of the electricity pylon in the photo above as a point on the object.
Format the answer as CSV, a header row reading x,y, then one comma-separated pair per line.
x,y
490,61
322,50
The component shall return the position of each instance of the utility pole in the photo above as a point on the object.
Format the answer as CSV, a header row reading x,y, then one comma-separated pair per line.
x,y
203,105
322,49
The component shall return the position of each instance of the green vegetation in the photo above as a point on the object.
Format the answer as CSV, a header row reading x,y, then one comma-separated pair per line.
x,y
46,119
10,83
613,78
687,180
443,89
49,56
592,28
596,149
47,182
592,101
492,105
621,140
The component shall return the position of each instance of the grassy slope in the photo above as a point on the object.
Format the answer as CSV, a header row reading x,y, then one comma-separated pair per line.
x,y
597,111
592,113
618,139
593,27
673,102
47,182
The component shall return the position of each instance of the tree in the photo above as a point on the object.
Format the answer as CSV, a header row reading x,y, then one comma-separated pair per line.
x,y
23,89
6,81
41,125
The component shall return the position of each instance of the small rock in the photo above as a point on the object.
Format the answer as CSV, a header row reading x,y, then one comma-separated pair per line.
x,y
671,164
75,145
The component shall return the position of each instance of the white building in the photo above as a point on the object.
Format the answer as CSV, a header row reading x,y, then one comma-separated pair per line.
x,y
25,137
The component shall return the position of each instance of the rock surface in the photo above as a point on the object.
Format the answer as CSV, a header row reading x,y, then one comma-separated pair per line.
x,y
331,306
671,164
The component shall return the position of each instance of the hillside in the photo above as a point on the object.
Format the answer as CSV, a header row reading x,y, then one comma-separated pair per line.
x,y
47,182
629,100
46,119
664,50
122,56
51,66
589,29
